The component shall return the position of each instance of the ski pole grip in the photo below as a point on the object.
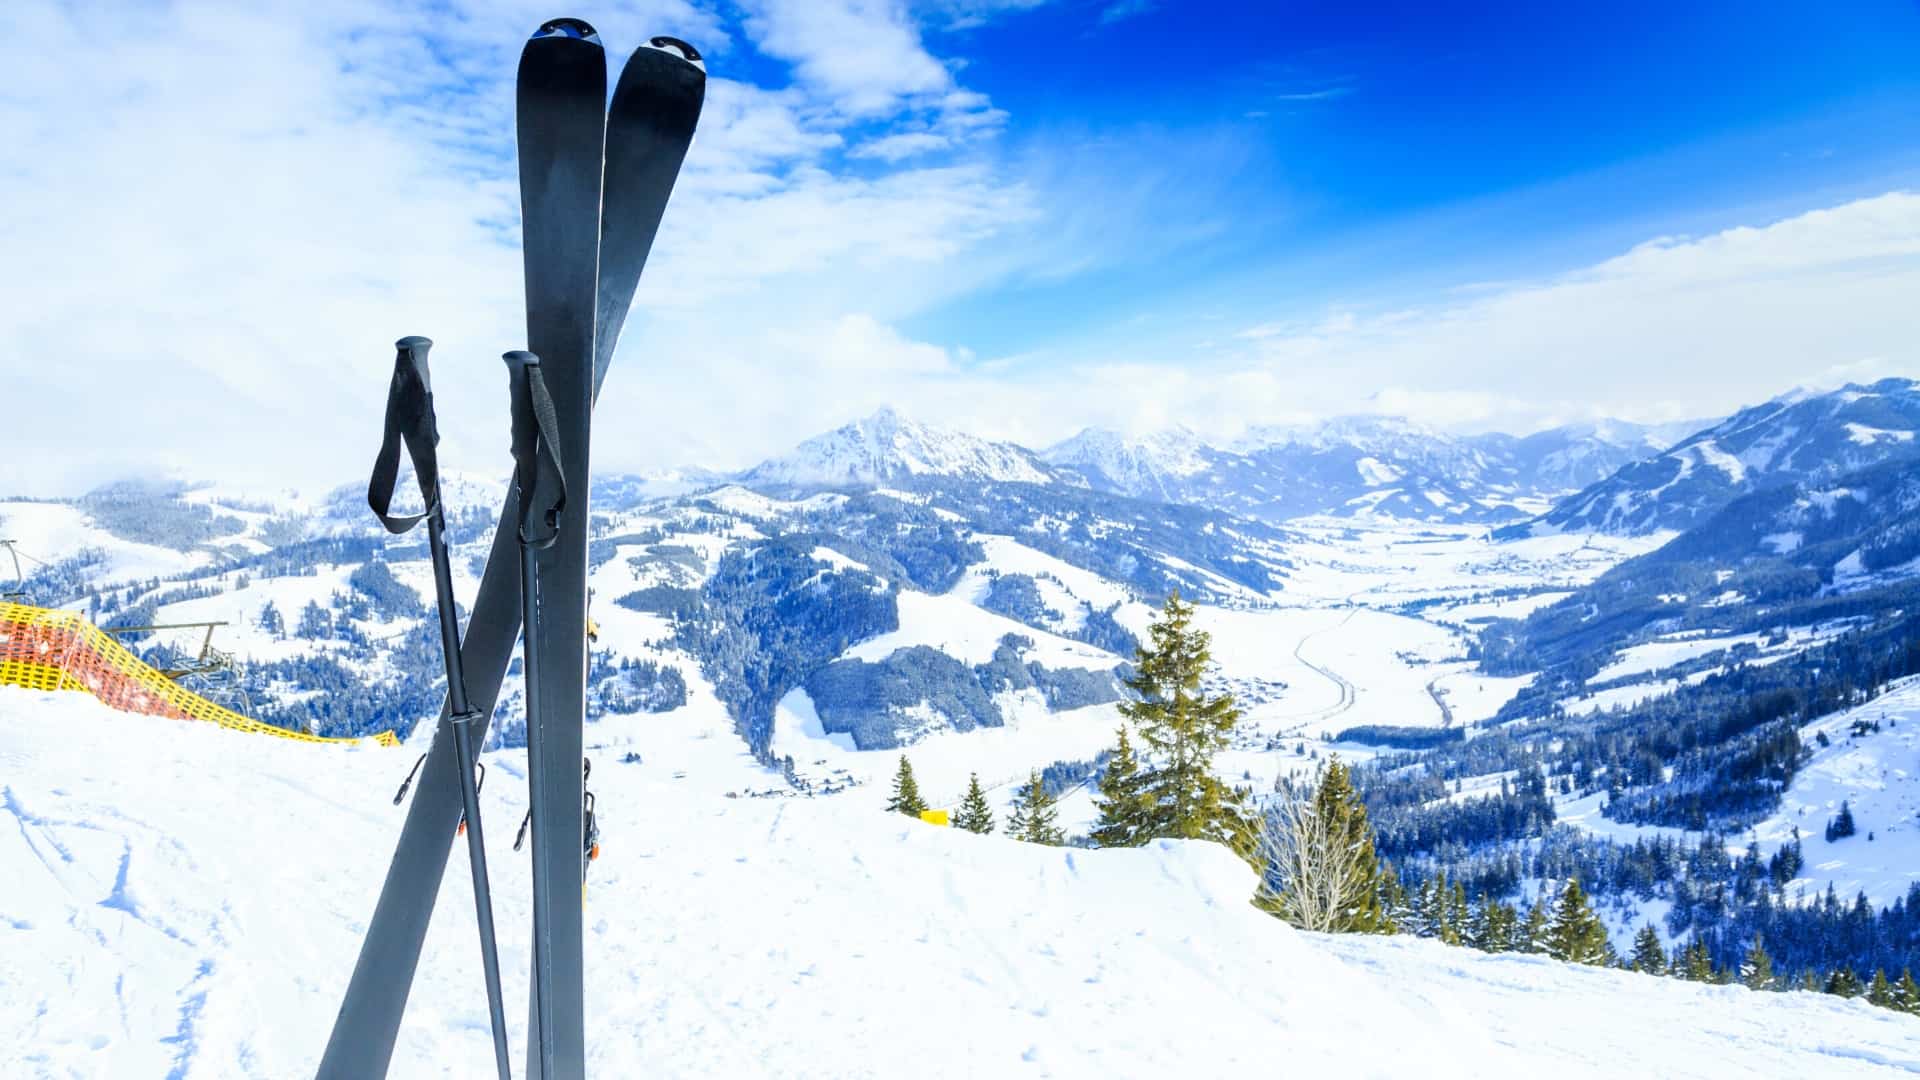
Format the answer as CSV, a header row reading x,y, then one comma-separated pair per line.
x,y
536,451
409,426
411,353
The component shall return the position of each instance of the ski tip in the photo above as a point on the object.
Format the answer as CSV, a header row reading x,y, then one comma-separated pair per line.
x,y
413,343
571,28
520,358
686,51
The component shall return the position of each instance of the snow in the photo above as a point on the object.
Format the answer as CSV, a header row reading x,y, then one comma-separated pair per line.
x,y
887,446
1655,655
1619,697
1878,775
1784,543
1687,645
1514,607
1710,454
158,924
50,532
1474,697
951,623
1642,1026
1138,466
1032,737
1375,472
1065,588
1863,435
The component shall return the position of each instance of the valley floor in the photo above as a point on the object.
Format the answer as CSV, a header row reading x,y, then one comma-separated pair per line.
x,y
182,901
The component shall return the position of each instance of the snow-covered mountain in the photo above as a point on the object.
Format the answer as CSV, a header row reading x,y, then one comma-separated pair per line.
x,y
1380,466
1347,466
1802,437
1573,456
889,448
1158,466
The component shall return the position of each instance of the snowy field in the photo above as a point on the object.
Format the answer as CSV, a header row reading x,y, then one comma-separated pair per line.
x,y
185,902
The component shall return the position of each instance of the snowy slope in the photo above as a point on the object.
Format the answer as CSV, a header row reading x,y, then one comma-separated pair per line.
x,y
50,531
1878,775
161,924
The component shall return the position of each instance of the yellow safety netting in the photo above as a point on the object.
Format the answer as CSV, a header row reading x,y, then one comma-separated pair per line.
x,y
44,649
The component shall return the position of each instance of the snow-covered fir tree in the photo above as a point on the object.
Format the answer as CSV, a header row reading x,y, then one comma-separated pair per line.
x,y
1880,991
1034,818
1125,813
1577,935
906,791
975,815
1756,971
1184,728
1649,955
1533,933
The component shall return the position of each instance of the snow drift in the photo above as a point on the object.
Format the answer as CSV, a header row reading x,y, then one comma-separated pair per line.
x,y
181,901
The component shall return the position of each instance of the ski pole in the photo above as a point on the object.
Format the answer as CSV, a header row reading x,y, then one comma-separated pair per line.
x,y
410,420
543,494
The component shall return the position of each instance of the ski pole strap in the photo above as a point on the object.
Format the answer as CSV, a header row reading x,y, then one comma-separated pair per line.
x,y
536,452
409,421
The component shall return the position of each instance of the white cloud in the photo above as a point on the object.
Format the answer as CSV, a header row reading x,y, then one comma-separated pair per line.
x,y
220,220
901,146
1709,323
864,55
1122,10
1327,93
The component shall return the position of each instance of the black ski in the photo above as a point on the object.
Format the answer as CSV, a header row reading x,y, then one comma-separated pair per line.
x,y
650,143
562,117
655,107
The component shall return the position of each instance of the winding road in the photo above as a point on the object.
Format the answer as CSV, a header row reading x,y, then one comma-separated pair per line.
x,y
1340,682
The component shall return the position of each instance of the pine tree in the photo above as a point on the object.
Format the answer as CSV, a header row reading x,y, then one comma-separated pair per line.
x,y
1906,995
271,622
314,622
1696,963
1841,827
1453,925
1880,991
1533,935
1648,956
1494,926
1756,971
1034,817
1391,896
1843,982
906,792
975,815
1122,802
1185,728
1577,936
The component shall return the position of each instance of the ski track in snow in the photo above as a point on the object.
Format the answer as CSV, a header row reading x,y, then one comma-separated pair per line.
x,y
183,901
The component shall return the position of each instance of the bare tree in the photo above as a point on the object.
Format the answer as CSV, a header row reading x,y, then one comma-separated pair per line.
x,y
1317,850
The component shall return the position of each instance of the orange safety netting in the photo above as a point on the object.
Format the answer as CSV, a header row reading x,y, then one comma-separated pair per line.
x,y
44,649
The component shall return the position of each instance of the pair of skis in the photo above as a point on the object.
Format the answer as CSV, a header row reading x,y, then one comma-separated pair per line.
x,y
594,184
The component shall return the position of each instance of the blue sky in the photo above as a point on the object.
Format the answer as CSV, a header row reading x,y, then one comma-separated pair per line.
x,y
1017,217
1512,139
